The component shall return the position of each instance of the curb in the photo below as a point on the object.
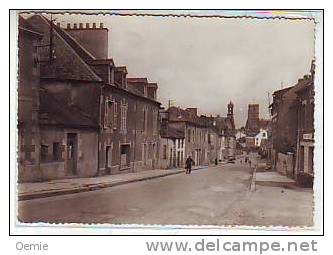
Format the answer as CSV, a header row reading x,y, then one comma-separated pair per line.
x,y
92,187
286,185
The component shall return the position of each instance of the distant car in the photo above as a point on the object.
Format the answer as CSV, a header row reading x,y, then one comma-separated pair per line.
x,y
231,159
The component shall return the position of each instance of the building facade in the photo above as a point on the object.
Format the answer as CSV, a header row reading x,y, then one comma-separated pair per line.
x,y
88,118
304,166
293,129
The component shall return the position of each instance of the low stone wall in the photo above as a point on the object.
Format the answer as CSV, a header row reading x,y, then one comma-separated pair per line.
x,y
285,164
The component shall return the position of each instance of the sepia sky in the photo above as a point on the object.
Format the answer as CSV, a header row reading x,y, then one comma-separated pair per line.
x,y
205,63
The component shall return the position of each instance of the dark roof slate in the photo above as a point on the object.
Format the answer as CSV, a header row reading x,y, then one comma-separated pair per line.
x,y
71,58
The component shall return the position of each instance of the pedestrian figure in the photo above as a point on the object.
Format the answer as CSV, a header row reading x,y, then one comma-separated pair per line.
x,y
241,161
246,159
216,161
188,164
250,163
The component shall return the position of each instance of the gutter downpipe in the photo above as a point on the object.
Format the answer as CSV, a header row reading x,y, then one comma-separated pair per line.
x,y
99,128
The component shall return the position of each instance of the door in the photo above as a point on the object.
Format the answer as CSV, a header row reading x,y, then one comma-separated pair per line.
x,y
71,153
154,156
108,159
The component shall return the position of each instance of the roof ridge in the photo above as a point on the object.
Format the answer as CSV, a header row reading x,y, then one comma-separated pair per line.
x,y
63,34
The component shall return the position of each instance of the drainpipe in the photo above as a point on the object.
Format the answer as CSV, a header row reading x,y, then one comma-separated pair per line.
x,y
99,128
134,154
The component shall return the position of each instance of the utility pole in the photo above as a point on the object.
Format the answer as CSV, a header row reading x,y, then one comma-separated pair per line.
x,y
51,40
51,56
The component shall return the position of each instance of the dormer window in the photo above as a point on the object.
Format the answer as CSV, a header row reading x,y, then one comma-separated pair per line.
x,y
145,93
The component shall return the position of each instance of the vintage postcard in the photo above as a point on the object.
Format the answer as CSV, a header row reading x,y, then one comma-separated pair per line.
x,y
169,118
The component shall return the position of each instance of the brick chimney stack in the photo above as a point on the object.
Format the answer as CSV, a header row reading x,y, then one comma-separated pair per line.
x,y
94,39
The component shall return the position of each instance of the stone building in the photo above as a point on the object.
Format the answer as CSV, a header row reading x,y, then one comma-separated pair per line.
x,y
304,165
172,144
197,136
28,101
292,113
227,134
92,120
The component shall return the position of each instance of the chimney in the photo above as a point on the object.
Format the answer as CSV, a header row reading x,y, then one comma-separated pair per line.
x,y
94,25
80,25
75,26
101,25
192,111
68,26
87,25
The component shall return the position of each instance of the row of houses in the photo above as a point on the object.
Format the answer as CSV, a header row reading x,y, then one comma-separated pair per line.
x,y
80,115
292,113
206,139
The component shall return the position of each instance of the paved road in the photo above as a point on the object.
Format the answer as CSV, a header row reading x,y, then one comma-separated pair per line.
x,y
213,196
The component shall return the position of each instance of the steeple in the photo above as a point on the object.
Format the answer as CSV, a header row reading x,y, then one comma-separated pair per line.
x,y
230,114
230,109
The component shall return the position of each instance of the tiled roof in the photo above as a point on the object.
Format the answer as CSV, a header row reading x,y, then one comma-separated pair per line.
x,y
72,60
153,85
121,69
108,61
28,26
137,80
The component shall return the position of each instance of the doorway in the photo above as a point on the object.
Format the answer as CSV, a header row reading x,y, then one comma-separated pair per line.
x,y
108,159
72,154
125,155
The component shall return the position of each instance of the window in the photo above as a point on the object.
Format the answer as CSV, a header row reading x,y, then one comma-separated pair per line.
x,y
108,112
56,151
209,139
144,128
44,152
189,135
310,166
115,115
123,114
155,120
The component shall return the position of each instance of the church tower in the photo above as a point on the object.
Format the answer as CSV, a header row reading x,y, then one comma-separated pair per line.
x,y
230,114
230,109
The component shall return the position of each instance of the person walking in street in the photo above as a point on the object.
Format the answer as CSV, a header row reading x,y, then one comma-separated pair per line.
x,y
188,164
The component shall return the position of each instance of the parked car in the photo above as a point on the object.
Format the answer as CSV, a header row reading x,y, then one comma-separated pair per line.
x,y
231,159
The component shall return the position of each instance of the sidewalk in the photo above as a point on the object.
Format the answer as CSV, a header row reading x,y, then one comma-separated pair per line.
x,y
273,178
28,191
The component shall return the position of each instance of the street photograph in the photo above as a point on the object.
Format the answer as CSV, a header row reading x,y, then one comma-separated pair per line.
x,y
168,118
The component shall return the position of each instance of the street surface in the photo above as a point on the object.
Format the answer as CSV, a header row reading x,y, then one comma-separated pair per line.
x,y
212,196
